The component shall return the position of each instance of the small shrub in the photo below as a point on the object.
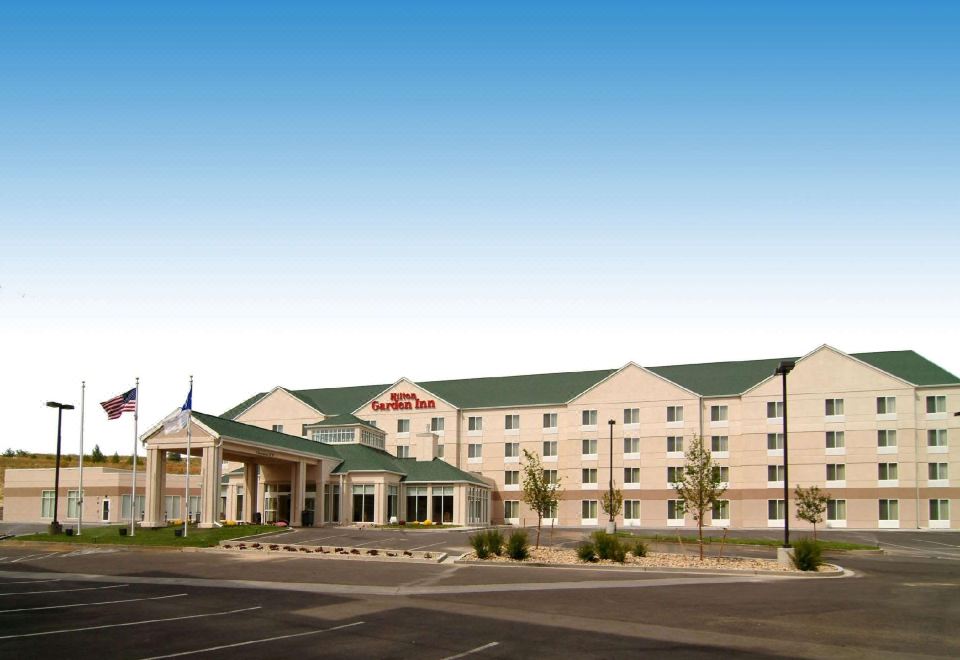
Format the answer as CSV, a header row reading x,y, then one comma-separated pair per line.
x,y
495,541
427,555
640,548
586,552
807,554
608,546
373,553
479,543
518,546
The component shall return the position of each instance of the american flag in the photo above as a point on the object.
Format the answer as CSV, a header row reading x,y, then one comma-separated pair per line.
x,y
121,404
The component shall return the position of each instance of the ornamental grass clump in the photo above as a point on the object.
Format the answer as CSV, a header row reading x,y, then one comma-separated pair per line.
x,y
586,552
640,548
807,555
495,541
609,546
518,546
479,543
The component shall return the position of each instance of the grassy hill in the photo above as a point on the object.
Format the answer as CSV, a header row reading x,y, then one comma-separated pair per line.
x,y
72,460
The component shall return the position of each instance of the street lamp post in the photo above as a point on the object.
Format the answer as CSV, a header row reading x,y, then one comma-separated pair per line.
x,y
785,367
611,524
55,527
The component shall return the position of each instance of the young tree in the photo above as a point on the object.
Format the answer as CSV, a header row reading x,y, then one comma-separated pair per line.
x,y
700,488
811,504
96,455
115,458
9,453
612,507
539,493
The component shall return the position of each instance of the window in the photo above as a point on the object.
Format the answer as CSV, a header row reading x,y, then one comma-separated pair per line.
x,y
171,507
125,507
886,438
886,405
550,476
774,409
511,478
403,426
937,438
417,503
674,414
442,504
439,451
675,444
549,420
631,445
721,510
775,473
588,447
371,422
836,510
887,471
478,506
631,509
674,510
719,443
403,451
474,423
278,428
475,450
674,475
511,509
363,503
393,502
511,450
588,509
775,509
511,422
836,440
721,473
331,503
589,418
631,475
549,448
631,415
937,471
333,436
836,472
774,442
718,413
939,510
436,425
936,404
73,501
46,504
889,509
833,407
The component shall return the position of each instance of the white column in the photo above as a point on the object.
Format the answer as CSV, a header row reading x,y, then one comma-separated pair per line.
x,y
155,487
250,494
210,499
298,491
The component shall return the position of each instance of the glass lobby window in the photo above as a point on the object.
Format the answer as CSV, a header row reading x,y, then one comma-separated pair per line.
x,y
73,499
332,503
588,418
417,503
443,504
364,508
393,501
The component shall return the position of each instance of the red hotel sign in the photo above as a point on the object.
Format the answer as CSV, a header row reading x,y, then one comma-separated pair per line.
x,y
405,401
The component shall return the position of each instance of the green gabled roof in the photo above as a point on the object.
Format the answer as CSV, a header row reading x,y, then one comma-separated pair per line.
x,y
339,400
344,419
260,436
910,366
507,391
719,378
435,470
361,458
236,410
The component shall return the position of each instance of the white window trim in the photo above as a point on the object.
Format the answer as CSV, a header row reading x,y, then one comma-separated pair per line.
x,y
631,522
774,452
476,459
589,486
888,483
512,521
474,434
888,524
511,431
404,435
511,487
723,423
886,417
840,483
937,449
939,524
549,522
836,451
720,454
550,459
834,418
837,524
888,450
775,523
775,421
632,456
588,427
774,484
937,415
588,522
671,454
588,457
938,483
511,459
675,425
719,522
551,430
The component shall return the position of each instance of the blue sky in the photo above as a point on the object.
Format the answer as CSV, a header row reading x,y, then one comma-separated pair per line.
x,y
337,194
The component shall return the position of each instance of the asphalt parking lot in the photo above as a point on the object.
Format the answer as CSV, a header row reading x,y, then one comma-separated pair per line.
x,y
118,602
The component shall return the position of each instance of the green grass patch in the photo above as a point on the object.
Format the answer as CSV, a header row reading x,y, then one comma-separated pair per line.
x,y
163,536
732,540
417,526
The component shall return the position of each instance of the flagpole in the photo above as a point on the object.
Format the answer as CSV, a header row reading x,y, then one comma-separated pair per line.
x,y
186,488
83,395
133,486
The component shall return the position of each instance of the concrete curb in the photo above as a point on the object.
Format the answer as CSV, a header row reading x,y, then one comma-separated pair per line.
x,y
837,571
330,552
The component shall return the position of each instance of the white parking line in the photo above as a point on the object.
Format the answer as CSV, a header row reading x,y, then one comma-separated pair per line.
x,y
60,591
357,545
103,602
25,557
322,538
255,641
938,543
471,651
3,584
129,623
432,545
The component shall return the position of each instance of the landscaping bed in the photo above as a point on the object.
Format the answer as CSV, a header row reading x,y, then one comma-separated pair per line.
x,y
252,546
157,537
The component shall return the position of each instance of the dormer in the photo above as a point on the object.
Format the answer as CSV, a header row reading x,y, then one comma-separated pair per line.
x,y
346,429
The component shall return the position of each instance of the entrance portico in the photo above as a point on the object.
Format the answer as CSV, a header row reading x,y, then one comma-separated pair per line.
x,y
216,440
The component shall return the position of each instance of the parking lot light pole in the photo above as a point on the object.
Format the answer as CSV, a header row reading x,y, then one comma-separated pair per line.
x,y
55,527
785,367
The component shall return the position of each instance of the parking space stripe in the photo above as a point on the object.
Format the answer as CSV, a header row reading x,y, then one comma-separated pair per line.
x,y
129,623
432,545
61,591
103,602
254,641
472,651
3,584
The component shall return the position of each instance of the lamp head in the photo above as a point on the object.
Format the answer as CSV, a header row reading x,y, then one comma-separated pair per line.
x,y
611,422
62,406
785,367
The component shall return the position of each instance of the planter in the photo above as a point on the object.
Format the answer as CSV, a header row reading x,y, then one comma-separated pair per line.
x,y
123,531
178,533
